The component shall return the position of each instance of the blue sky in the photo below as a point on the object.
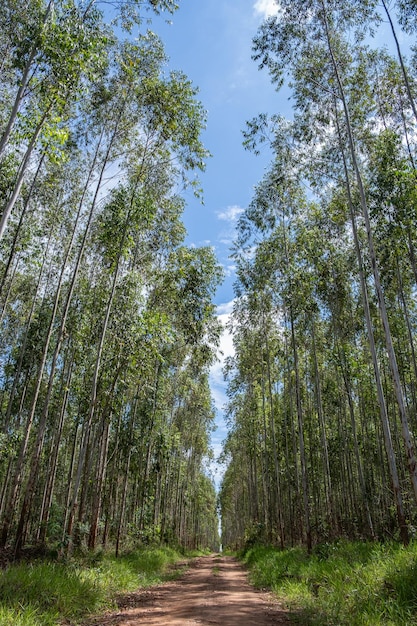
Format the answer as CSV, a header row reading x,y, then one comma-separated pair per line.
x,y
210,41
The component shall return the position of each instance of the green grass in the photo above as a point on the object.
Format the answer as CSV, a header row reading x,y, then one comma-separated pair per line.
x,y
343,584
43,593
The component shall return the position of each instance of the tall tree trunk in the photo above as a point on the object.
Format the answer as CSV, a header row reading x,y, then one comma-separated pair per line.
x,y
102,462
53,466
34,466
19,226
411,459
11,501
100,477
381,398
359,465
304,474
278,500
21,173
122,505
22,351
93,400
326,463
266,476
45,411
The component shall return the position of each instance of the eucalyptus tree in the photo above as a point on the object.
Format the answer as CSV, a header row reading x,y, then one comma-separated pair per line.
x,y
134,213
187,430
173,424
349,254
392,206
325,242
168,134
314,278
298,40
120,306
261,272
51,218
284,291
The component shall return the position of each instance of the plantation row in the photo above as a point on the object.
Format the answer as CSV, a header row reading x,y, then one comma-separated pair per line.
x,y
107,324
323,385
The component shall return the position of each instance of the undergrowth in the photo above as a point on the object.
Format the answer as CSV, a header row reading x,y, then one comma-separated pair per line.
x,y
44,593
343,584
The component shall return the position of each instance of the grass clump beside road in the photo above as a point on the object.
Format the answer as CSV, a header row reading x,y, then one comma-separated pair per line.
x,y
343,584
44,593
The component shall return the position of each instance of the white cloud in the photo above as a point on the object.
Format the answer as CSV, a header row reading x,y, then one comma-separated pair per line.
x,y
226,239
204,243
225,309
266,8
226,343
231,214
218,392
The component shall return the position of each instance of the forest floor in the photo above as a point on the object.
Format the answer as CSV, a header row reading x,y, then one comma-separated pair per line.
x,y
214,590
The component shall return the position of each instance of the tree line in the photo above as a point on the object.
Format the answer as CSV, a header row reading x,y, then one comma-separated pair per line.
x,y
322,389
107,324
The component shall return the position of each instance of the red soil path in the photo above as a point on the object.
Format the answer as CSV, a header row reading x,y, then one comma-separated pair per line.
x,y
215,590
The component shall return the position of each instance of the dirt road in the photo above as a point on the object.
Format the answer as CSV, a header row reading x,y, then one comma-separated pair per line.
x,y
214,590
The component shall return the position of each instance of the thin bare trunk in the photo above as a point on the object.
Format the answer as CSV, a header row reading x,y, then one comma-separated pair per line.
x,y
53,466
304,475
100,477
356,445
93,400
19,226
120,522
279,503
326,463
380,393
21,173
